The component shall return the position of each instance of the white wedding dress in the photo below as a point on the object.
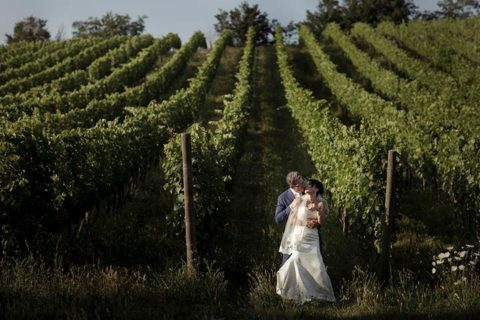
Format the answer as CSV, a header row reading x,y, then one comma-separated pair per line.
x,y
303,277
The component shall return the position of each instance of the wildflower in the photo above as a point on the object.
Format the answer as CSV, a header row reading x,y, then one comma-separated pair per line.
x,y
444,255
434,270
439,261
434,263
462,254
454,268
450,248
461,267
468,246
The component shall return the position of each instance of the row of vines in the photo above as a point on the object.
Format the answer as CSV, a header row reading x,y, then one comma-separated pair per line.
x,y
54,172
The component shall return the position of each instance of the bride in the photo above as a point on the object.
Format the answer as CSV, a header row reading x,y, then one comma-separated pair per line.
x,y
303,276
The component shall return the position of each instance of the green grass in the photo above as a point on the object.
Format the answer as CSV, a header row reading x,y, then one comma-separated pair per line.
x,y
222,84
188,72
363,297
30,290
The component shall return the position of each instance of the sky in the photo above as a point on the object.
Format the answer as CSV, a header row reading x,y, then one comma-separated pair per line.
x,y
183,17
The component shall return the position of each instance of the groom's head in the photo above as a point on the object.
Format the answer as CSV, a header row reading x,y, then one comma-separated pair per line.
x,y
295,181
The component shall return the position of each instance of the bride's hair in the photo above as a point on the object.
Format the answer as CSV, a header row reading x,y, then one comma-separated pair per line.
x,y
317,184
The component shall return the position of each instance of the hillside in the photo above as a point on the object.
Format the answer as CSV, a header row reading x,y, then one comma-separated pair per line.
x,y
91,172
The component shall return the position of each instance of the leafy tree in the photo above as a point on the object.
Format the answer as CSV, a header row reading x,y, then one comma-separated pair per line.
x,y
290,31
327,11
109,25
375,11
240,19
352,11
29,29
458,8
427,15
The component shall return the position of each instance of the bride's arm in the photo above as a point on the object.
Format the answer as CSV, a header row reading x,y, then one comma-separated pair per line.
x,y
321,212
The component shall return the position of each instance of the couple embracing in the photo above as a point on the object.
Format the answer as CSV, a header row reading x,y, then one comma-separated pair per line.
x,y
302,276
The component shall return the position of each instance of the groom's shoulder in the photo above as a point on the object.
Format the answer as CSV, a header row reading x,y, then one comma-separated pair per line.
x,y
285,193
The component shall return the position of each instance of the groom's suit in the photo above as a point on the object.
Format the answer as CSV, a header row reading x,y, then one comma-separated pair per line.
x,y
282,211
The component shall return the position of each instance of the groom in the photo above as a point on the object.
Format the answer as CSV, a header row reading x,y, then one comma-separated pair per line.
x,y
285,202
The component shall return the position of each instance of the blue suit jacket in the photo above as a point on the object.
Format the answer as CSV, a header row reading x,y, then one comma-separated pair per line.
x,y
282,211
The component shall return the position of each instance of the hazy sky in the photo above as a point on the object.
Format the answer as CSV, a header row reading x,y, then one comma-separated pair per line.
x,y
180,16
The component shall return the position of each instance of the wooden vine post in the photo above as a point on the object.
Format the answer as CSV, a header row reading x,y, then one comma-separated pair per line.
x,y
188,201
386,266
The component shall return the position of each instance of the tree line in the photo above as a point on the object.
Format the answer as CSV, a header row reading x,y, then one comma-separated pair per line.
x,y
345,13
34,29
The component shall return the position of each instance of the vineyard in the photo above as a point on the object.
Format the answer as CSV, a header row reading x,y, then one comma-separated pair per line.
x,y
91,185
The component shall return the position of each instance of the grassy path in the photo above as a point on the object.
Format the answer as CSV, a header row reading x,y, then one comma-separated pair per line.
x,y
272,148
188,72
222,84
307,75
